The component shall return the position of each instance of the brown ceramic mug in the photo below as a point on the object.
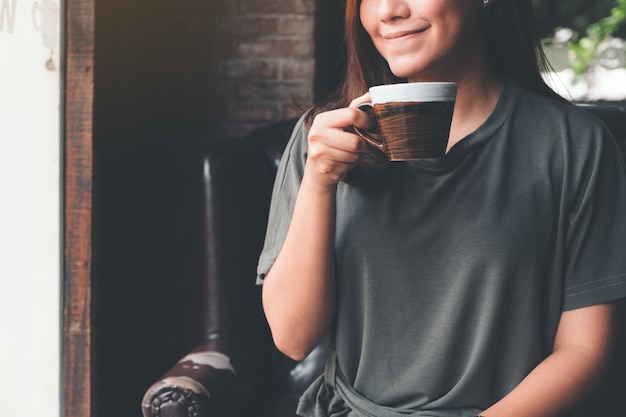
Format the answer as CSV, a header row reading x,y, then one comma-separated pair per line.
x,y
410,120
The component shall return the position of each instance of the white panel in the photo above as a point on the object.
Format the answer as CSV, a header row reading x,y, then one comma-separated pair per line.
x,y
30,243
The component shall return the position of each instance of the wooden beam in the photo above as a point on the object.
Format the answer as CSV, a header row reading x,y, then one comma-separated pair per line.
x,y
78,345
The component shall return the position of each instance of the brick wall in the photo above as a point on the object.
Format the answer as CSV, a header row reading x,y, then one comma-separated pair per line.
x,y
265,63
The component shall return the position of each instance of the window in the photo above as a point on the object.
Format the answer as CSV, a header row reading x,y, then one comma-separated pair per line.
x,y
585,44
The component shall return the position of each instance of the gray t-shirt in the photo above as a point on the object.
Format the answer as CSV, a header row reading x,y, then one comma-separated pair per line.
x,y
452,273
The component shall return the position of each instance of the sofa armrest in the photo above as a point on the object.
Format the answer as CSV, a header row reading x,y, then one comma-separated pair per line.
x,y
211,381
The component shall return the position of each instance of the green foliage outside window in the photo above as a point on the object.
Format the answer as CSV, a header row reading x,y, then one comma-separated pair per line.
x,y
591,22
584,49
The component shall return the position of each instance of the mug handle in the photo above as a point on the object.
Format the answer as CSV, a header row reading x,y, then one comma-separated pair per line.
x,y
369,109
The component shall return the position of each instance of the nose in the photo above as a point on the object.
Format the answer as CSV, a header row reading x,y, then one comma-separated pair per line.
x,y
389,10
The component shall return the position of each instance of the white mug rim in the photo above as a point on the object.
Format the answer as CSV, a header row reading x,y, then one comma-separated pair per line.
x,y
414,92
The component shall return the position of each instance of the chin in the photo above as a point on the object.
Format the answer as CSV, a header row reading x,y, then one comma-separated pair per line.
x,y
421,67
402,74
422,74
402,70
407,75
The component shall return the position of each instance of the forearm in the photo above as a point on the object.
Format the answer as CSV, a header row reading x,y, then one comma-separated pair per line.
x,y
578,360
553,387
299,290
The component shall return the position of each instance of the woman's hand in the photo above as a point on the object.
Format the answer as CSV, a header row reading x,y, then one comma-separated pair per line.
x,y
333,148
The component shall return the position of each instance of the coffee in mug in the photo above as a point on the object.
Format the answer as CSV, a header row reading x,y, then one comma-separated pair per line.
x,y
410,120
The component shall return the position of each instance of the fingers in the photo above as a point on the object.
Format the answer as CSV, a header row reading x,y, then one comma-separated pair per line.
x,y
335,128
333,148
364,115
340,146
365,98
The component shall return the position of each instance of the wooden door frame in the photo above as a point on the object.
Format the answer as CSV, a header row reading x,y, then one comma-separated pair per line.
x,y
78,333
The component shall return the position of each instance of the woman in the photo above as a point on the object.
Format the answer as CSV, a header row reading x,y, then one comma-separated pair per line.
x,y
479,283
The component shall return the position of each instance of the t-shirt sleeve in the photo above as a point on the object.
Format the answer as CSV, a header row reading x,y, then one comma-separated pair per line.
x,y
285,191
595,258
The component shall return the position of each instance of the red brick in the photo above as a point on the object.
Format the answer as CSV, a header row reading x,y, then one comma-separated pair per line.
x,y
302,91
299,7
296,25
302,69
273,48
254,26
260,6
276,92
262,61
276,6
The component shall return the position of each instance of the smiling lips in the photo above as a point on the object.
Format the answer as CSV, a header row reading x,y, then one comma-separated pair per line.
x,y
401,34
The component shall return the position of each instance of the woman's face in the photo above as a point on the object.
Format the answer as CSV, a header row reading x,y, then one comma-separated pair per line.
x,y
425,39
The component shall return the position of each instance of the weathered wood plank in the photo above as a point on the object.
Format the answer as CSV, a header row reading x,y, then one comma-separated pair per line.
x,y
77,327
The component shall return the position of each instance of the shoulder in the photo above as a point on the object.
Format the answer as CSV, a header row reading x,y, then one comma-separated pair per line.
x,y
559,123
298,142
294,154
544,109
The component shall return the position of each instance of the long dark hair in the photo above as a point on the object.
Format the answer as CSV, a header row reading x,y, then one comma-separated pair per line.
x,y
514,47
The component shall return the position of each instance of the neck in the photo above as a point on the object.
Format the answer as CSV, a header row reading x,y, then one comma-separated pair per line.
x,y
478,93
477,97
